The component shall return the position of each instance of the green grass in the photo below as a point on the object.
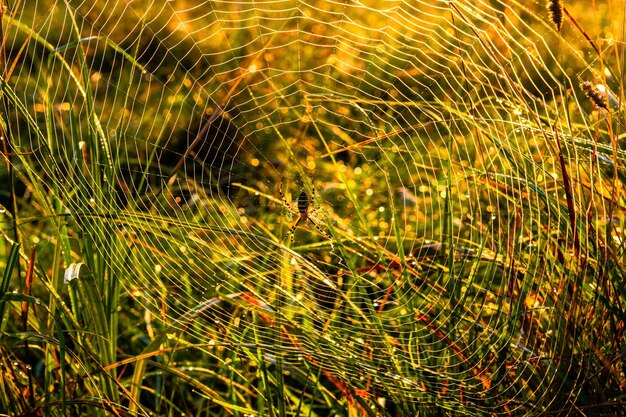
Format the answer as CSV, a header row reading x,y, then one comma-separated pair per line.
x,y
474,196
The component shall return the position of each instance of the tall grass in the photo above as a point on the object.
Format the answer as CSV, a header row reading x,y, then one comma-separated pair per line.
x,y
470,182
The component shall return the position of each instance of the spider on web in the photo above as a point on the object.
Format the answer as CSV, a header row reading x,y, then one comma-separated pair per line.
x,y
303,210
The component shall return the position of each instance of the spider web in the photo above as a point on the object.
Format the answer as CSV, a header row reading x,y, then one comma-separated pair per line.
x,y
435,133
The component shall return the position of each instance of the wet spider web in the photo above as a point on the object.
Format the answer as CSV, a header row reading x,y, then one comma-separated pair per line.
x,y
449,144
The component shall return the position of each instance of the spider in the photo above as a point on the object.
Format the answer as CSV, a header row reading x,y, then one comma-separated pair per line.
x,y
303,210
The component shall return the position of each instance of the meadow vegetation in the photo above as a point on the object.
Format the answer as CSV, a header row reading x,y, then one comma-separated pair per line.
x,y
467,160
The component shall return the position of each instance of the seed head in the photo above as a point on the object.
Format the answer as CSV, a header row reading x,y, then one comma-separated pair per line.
x,y
555,10
593,94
